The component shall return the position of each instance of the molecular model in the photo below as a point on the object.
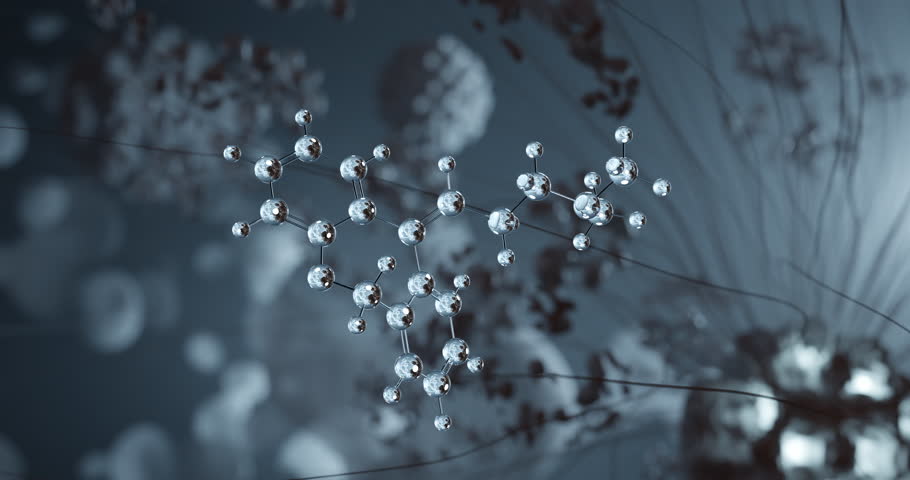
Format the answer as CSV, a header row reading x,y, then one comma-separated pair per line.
x,y
367,294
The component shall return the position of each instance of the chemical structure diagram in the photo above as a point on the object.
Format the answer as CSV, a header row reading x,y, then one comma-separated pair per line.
x,y
368,295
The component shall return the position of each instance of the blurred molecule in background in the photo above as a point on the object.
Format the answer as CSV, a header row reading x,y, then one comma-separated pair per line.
x,y
13,141
143,451
12,462
342,9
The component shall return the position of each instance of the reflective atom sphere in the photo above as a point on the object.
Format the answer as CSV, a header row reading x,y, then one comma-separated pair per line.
x,y
367,295
455,351
391,395
411,232
462,281
581,242
604,213
661,187
267,169
353,168
358,325
627,173
436,384
505,257
408,366
321,277
400,316
232,153
534,185
502,221
475,364
443,422
450,203
381,152
308,148
446,164
386,264
637,220
362,211
321,233
240,229
421,284
303,117
592,180
448,304
623,134
534,150
273,211
613,166
586,205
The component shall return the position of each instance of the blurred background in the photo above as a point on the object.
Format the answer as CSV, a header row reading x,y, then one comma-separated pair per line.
x,y
140,340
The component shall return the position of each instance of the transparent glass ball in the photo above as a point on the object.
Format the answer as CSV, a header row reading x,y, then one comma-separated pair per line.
x,y
475,364
448,304
303,117
353,168
442,422
421,284
408,366
446,164
386,263
321,233
627,174
455,351
592,180
623,134
267,169
367,295
462,281
502,221
436,384
357,325
391,395
505,257
613,166
534,150
411,232
240,229
273,211
381,152
450,203
232,153
581,242
400,316
661,187
308,148
362,211
534,185
320,277
637,220
586,205
604,213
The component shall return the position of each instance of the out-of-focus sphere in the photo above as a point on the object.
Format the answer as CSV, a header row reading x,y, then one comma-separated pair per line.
x,y
303,117
411,232
408,366
581,242
386,263
661,187
436,384
321,233
353,168
534,150
443,422
362,211
450,203
267,169
357,325
534,185
446,164
502,221
400,316
241,229
613,166
475,364
627,174
637,220
505,257
232,153
308,148
421,284
367,295
586,205
321,277
13,141
448,304
604,213
455,351
381,152
623,134
273,211
592,179
462,281
391,395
